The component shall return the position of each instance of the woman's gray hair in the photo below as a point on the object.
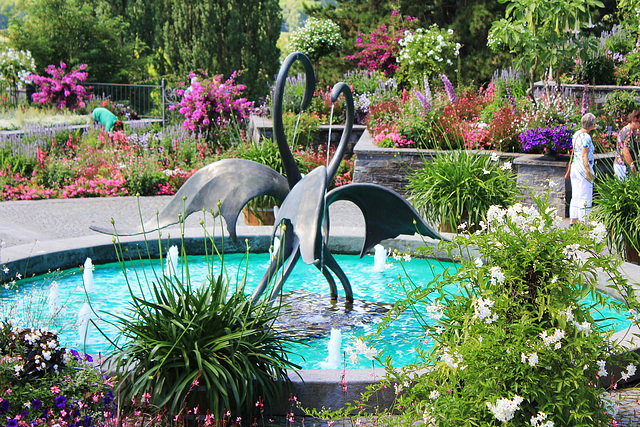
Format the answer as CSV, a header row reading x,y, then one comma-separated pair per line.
x,y
588,120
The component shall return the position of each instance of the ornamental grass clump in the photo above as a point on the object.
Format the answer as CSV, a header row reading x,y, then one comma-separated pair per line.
x,y
513,336
460,186
205,345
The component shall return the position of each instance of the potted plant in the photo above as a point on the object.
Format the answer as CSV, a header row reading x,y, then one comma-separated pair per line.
x,y
458,187
549,141
617,206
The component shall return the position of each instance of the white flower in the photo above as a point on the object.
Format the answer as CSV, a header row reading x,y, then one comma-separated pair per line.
x,y
5,270
478,262
495,157
361,348
406,257
537,421
434,394
506,166
486,172
599,232
452,360
602,372
557,336
568,313
530,359
497,276
46,355
571,251
434,311
631,371
504,409
482,310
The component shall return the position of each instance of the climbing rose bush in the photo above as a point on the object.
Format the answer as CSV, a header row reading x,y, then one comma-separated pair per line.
x,y
63,89
213,105
511,337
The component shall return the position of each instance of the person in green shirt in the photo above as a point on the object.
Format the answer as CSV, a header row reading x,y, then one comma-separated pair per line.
x,y
107,119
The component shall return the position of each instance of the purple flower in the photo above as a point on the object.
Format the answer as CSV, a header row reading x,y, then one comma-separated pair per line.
x,y
4,406
12,423
60,401
426,105
451,92
88,358
539,140
36,404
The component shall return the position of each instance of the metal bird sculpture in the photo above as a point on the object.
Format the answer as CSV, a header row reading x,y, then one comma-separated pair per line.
x,y
302,219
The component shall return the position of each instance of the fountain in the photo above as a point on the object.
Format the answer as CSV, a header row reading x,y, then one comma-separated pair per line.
x,y
379,258
302,219
171,267
53,300
87,276
333,349
84,317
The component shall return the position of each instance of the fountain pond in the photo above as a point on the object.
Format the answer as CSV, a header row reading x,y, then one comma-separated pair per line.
x,y
331,328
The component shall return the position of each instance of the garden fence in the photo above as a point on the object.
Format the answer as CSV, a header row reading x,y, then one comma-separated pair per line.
x,y
149,101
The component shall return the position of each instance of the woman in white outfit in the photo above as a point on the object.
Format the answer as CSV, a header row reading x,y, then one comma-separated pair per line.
x,y
582,173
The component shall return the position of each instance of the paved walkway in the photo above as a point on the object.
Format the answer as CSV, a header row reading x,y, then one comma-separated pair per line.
x,y
33,227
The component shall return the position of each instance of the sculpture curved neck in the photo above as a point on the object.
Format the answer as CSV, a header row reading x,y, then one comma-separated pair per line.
x,y
343,88
291,169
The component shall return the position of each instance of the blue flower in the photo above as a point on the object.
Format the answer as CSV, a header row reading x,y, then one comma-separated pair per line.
x,y
88,358
12,423
36,404
61,401
4,406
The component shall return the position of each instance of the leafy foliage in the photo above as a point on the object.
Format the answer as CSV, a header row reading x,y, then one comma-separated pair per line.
x,y
316,39
514,336
221,37
74,33
616,206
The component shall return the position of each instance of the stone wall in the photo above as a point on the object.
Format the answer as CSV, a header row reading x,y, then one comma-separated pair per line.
x,y
391,167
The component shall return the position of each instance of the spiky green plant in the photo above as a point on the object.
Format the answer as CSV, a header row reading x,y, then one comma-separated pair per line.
x,y
617,205
461,185
207,345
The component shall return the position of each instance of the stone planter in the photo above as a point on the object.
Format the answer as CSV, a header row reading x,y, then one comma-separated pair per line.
x,y
391,167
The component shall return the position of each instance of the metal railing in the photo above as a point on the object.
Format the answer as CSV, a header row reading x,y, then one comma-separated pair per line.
x,y
146,100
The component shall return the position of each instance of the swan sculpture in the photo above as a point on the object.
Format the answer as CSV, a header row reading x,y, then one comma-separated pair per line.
x,y
303,218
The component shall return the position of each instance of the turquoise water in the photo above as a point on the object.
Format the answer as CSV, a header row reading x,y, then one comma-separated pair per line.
x,y
28,304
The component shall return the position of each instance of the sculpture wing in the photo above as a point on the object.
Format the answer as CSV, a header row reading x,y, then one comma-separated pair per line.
x,y
304,208
386,213
232,182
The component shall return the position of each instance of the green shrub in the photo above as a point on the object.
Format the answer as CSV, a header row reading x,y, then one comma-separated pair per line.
x,y
15,163
306,133
143,178
514,339
598,71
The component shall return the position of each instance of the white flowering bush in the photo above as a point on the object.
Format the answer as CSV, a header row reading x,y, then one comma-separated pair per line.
x,y
426,52
318,38
513,336
15,66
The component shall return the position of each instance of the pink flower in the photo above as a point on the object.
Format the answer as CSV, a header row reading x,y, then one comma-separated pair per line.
x,y
55,389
